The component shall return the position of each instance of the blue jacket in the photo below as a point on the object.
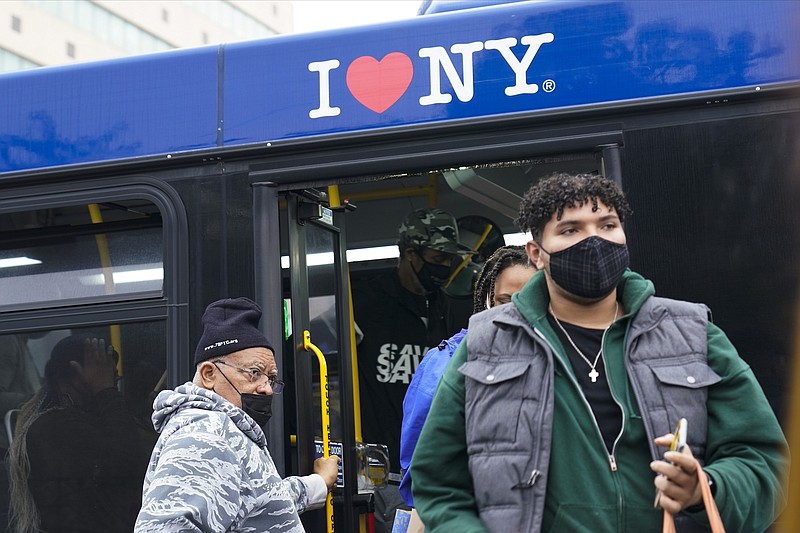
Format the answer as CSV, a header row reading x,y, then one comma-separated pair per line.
x,y
417,403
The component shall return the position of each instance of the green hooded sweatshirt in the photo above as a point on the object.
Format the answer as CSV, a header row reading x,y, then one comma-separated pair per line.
x,y
746,451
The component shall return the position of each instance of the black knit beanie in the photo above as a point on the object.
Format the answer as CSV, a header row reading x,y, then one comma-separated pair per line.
x,y
230,325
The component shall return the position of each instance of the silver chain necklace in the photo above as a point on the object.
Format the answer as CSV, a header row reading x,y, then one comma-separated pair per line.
x,y
593,373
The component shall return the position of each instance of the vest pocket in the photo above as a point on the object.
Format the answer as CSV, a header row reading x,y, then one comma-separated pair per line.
x,y
495,393
493,373
683,392
693,375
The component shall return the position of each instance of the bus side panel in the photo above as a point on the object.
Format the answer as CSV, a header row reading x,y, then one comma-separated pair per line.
x,y
219,210
718,224
112,110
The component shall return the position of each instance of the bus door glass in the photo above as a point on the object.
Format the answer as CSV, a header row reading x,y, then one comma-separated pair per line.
x,y
319,319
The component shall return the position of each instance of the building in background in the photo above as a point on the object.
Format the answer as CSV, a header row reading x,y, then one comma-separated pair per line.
x,y
54,32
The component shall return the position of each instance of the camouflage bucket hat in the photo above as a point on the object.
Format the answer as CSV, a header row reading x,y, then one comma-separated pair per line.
x,y
435,229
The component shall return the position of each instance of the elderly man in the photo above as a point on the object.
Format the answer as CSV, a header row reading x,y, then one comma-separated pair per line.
x,y
210,470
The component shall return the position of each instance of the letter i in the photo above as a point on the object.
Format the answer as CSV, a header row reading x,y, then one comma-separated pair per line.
x,y
324,68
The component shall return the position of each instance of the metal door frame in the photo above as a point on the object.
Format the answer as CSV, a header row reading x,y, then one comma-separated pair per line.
x,y
269,293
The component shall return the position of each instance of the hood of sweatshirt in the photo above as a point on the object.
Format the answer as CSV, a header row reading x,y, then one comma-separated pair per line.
x,y
533,299
170,403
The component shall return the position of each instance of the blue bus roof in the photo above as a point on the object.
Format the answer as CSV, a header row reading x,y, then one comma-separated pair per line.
x,y
521,57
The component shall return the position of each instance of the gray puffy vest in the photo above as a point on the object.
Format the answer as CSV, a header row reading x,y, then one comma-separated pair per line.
x,y
509,369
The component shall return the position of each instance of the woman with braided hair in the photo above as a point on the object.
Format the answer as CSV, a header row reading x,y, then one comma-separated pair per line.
x,y
507,268
506,271
76,460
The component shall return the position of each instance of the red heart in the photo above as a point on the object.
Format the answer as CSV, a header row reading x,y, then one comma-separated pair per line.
x,y
379,84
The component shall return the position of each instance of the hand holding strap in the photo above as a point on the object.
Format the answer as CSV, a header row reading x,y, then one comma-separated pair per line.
x,y
708,501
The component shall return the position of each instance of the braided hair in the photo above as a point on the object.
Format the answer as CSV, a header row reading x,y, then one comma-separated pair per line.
x,y
501,259
24,513
559,191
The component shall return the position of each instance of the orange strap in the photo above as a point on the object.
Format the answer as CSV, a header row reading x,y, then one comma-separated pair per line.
x,y
708,501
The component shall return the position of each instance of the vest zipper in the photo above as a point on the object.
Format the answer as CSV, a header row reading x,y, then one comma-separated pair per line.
x,y
530,482
621,410
638,393
620,493
536,450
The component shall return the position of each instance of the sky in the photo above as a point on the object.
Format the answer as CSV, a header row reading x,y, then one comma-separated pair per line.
x,y
315,15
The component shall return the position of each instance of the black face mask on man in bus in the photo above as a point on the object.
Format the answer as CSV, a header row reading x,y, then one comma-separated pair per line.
x,y
590,268
256,406
432,275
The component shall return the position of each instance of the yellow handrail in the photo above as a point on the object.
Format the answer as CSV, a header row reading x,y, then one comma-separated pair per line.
x,y
467,259
108,276
790,519
326,417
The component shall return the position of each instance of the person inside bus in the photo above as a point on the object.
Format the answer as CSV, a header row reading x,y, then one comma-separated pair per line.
x,y
76,459
554,411
401,314
210,469
19,378
505,272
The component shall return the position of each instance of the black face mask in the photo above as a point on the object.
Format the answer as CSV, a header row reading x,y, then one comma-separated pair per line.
x,y
432,275
591,268
256,406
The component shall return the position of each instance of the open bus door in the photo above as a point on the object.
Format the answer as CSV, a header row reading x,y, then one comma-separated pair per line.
x,y
319,349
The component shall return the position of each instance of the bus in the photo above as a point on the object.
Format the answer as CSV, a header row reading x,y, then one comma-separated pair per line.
x,y
135,191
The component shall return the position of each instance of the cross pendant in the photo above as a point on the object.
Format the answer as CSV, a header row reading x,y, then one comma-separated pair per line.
x,y
594,374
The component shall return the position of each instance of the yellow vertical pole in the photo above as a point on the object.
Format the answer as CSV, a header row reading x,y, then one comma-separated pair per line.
x,y
467,259
790,520
354,356
433,190
335,200
108,277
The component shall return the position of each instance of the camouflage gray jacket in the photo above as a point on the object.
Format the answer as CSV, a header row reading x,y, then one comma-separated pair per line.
x,y
211,471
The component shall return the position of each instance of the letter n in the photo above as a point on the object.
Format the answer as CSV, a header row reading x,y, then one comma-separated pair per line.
x,y
439,58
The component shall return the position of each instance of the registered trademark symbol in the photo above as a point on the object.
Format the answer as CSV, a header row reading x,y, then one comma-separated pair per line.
x,y
549,86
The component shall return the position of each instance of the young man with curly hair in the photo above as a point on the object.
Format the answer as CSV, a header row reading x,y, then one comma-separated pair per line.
x,y
554,412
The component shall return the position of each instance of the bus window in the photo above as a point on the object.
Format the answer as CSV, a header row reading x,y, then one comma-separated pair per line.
x,y
60,254
82,425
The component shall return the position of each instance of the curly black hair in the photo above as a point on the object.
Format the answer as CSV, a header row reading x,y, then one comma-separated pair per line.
x,y
553,194
502,258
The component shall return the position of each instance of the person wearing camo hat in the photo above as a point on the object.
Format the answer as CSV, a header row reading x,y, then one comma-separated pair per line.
x,y
429,245
401,314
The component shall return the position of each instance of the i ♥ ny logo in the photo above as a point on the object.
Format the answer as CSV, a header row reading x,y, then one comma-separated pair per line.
x,y
379,84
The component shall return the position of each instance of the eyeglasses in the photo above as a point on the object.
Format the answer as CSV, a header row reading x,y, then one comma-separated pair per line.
x,y
254,375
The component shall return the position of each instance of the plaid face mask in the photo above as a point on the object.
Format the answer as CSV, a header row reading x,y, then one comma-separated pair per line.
x,y
591,268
